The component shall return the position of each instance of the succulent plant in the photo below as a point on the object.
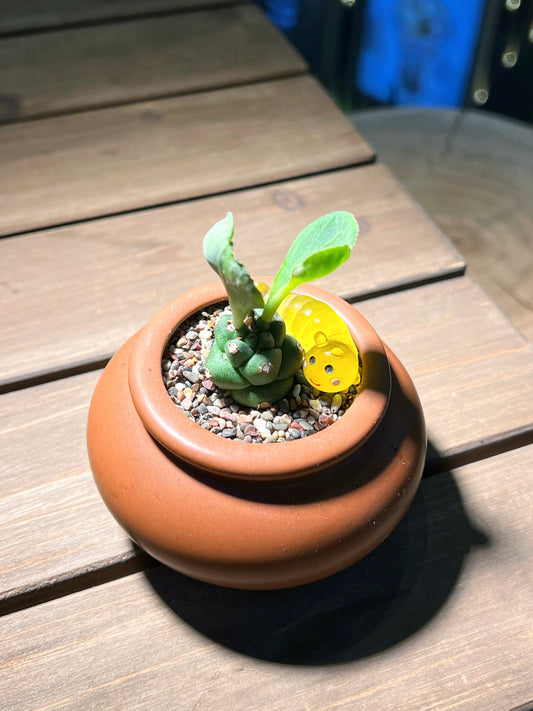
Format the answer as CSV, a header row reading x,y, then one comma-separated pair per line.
x,y
253,356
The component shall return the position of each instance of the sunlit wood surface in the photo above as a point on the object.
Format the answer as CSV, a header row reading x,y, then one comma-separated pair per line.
x,y
119,148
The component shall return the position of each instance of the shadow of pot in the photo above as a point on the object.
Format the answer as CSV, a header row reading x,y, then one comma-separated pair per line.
x,y
373,605
254,516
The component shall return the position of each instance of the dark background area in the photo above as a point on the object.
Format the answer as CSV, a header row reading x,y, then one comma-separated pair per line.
x,y
432,53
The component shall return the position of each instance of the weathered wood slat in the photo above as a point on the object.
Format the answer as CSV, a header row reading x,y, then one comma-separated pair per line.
x,y
102,162
49,487
55,525
439,616
81,290
34,14
54,72
466,359
473,173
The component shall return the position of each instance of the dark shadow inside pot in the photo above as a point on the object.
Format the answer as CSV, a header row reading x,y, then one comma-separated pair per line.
x,y
373,605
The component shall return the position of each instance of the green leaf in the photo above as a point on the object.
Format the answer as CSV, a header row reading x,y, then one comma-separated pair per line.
x,y
318,250
243,295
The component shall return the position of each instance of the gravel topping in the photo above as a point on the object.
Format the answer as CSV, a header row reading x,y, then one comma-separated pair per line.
x,y
305,411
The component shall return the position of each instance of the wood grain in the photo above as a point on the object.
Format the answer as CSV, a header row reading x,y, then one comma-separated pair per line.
x,y
465,358
35,14
103,162
56,488
437,617
82,290
53,72
475,383
472,171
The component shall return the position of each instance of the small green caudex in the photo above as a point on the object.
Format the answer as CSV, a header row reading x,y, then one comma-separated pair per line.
x,y
253,356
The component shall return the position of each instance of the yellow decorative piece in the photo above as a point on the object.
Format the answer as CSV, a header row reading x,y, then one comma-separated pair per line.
x,y
331,361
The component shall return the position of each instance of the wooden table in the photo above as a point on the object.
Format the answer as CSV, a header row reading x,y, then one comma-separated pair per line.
x,y
127,132
472,172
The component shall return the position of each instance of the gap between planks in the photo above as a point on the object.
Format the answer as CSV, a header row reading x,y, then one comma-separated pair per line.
x,y
136,560
50,375
154,153
117,104
22,28
363,163
171,63
437,616
74,581
125,269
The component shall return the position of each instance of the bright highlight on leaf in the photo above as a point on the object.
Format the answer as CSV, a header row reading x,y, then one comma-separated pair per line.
x,y
317,251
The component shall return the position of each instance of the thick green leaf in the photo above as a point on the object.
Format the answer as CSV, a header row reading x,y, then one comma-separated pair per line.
x,y
318,250
243,295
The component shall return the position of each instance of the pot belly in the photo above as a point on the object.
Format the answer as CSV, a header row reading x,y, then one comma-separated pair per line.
x,y
254,534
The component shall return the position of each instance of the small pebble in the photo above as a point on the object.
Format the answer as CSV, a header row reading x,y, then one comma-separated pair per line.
x,y
280,426
336,402
186,403
228,415
191,376
306,426
325,420
229,432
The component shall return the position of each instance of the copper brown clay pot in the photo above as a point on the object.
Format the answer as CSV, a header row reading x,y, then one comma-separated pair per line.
x,y
254,516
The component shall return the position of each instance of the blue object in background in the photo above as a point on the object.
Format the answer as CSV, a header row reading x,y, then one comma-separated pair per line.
x,y
418,51
283,13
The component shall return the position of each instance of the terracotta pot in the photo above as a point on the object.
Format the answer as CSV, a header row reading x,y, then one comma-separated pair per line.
x,y
245,515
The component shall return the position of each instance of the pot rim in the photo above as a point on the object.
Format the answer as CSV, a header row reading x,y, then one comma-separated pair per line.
x,y
184,438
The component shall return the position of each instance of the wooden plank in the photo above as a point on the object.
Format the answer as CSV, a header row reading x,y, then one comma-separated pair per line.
x,y
473,173
44,471
26,15
102,162
57,487
463,355
54,72
438,617
87,287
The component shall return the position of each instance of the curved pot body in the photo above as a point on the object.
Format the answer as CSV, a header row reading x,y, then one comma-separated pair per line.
x,y
245,515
